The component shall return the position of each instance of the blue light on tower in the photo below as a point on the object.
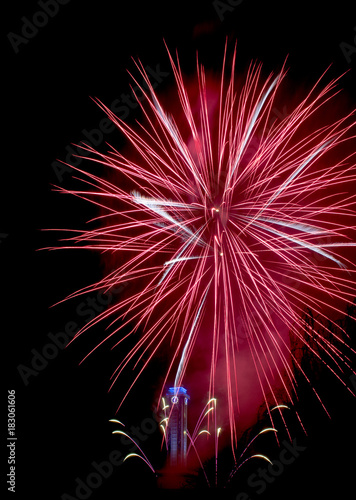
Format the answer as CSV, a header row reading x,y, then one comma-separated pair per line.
x,y
177,398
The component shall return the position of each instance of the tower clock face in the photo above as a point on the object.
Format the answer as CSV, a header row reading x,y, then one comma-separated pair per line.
x,y
174,399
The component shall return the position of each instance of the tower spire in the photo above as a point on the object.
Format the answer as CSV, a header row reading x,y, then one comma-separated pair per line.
x,y
178,398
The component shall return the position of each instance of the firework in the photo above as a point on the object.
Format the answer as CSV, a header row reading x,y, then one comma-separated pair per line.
x,y
226,226
210,406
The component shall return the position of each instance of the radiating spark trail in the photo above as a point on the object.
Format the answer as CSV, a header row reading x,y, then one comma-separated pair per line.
x,y
184,360
142,458
241,462
116,421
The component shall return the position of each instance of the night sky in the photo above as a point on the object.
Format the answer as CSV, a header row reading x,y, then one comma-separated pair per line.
x,y
82,50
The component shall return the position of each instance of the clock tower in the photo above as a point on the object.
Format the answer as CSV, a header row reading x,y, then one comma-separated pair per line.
x,y
177,399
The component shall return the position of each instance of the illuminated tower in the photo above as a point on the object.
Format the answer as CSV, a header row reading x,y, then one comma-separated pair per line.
x,y
177,398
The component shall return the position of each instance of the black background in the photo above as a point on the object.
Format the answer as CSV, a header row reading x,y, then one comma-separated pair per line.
x,y
83,51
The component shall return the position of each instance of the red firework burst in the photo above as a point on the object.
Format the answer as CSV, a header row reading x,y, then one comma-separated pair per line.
x,y
227,225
